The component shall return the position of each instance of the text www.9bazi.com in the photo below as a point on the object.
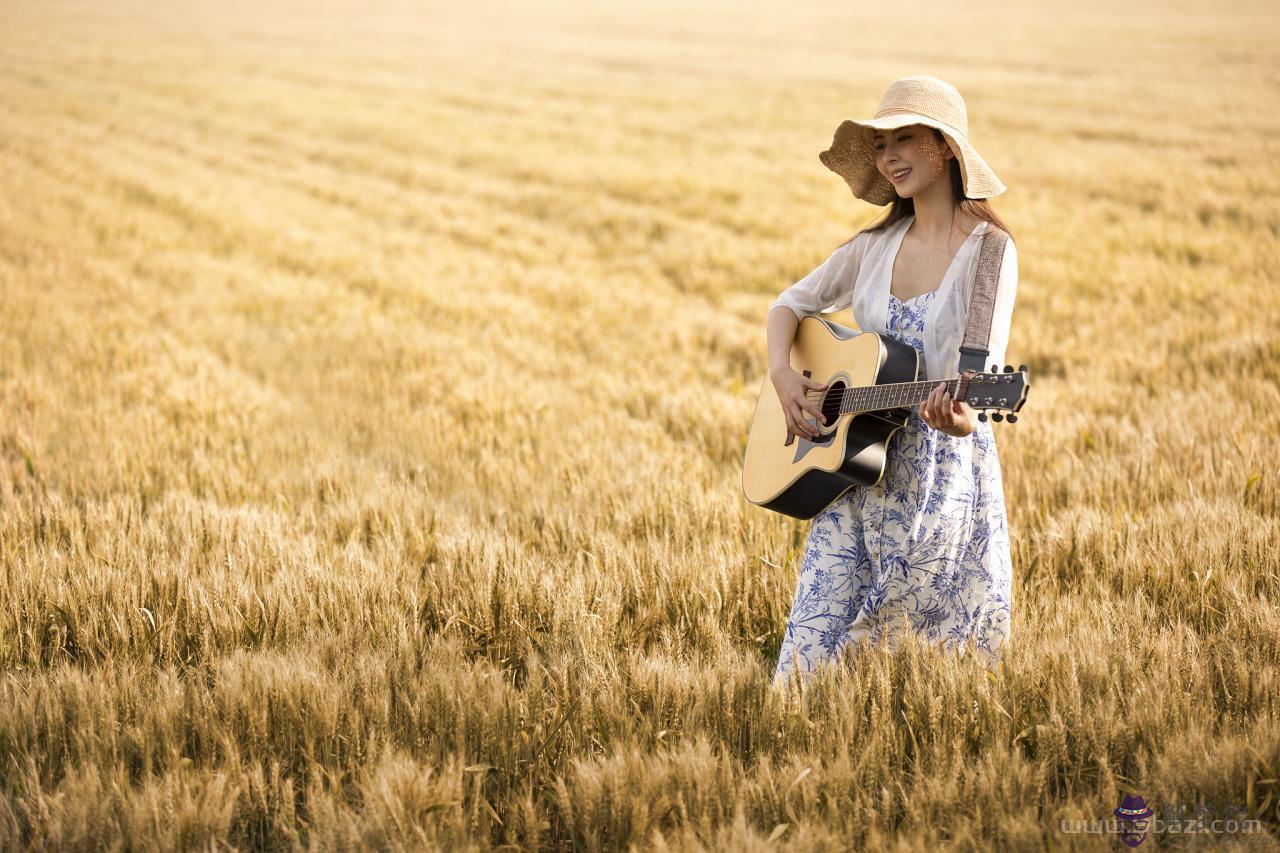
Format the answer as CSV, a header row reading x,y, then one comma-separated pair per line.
x,y
1133,821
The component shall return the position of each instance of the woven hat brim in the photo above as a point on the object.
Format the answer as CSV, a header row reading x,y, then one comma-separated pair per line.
x,y
852,156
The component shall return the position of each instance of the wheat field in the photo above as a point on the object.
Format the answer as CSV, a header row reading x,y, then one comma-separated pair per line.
x,y
374,383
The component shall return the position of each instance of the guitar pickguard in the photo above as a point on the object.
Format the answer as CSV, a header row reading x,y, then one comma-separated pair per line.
x,y
804,445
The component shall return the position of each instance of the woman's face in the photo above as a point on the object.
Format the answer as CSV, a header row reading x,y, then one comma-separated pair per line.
x,y
914,149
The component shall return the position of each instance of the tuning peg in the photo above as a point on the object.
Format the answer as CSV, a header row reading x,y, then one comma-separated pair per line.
x,y
982,416
1008,368
1022,368
997,417
1012,418
995,368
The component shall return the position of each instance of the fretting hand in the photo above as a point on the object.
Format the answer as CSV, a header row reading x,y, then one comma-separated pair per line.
x,y
954,417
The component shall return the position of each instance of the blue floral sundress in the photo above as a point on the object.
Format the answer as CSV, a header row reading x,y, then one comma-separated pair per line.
x,y
929,542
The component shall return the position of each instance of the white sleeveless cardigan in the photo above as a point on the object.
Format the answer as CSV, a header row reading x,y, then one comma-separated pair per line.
x,y
858,274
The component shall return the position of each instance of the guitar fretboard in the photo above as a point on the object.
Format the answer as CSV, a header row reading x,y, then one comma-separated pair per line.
x,y
896,395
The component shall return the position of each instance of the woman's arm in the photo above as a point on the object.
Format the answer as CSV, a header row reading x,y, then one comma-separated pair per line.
x,y
828,288
780,331
790,384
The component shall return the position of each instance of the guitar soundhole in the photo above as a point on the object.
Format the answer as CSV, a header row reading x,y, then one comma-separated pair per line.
x,y
831,402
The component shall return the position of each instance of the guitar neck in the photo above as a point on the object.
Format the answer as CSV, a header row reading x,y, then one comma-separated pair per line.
x,y
871,398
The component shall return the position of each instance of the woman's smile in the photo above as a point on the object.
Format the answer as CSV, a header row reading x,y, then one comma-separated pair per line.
x,y
900,175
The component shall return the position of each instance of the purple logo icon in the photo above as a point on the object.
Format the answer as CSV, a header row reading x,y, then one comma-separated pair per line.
x,y
1134,818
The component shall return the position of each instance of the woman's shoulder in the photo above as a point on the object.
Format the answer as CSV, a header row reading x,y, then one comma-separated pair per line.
x,y
872,235
988,227
861,241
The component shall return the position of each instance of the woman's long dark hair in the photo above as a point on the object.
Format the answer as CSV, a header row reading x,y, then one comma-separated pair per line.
x,y
904,207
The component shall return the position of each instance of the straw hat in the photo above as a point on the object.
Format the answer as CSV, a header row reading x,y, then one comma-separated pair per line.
x,y
909,100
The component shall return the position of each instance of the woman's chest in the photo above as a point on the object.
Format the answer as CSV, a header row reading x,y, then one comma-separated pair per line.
x,y
915,270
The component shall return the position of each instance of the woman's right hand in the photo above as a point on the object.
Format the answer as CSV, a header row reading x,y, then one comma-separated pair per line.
x,y
791,386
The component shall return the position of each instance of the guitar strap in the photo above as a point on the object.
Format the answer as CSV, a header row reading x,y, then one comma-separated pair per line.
x,y
982,301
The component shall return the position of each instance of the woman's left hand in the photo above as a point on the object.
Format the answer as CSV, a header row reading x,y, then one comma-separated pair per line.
x,y
954,417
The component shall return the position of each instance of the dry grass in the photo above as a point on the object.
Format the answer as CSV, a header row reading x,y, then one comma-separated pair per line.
x,y
373,389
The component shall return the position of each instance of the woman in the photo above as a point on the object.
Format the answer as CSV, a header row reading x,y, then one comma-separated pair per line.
x,y
926,548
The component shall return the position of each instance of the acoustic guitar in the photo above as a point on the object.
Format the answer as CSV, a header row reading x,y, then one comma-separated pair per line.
x,y
872,389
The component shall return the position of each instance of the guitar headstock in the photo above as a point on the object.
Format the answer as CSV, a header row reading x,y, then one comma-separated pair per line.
x,y
997,392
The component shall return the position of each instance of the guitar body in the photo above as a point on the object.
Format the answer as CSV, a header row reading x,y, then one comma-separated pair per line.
x,y
795,476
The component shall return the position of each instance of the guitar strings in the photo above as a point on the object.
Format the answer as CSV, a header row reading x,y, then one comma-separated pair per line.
x,y
810,392
902,385
847,392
